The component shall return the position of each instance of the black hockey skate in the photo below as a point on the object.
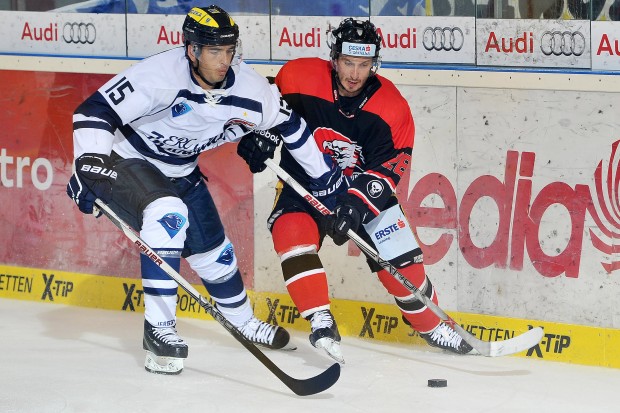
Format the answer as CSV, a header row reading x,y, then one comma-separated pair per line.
x,y
165,350
444,337
325,334
266,335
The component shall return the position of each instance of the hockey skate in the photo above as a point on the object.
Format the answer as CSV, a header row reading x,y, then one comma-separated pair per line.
x,y
165,350
266,335
444,337
325,334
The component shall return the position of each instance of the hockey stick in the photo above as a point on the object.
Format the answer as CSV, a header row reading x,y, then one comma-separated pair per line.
x,y
301,387
486,348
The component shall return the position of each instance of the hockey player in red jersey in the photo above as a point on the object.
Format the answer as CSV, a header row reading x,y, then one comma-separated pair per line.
x,y
362,121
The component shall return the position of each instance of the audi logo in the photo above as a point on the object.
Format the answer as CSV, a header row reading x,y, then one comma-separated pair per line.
x,y
562,43
79,33
443,38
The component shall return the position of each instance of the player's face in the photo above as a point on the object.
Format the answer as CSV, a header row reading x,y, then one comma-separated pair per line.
x,y
352,73
215,61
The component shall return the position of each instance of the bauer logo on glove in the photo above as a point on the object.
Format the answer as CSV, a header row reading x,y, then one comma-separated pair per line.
x,y
98,170
93,178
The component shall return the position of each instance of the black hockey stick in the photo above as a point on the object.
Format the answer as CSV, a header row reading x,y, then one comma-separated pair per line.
x,y
301,387
486,348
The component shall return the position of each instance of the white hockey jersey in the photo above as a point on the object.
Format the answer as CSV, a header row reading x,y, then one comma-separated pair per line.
x,y
155,110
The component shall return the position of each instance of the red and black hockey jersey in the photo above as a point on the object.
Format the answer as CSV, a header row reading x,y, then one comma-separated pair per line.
x,y
369,136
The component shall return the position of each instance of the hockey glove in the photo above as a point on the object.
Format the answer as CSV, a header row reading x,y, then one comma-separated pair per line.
x,y
349,213
258,146
93,178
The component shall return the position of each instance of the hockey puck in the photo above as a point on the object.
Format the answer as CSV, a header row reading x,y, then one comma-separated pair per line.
x,y
438,383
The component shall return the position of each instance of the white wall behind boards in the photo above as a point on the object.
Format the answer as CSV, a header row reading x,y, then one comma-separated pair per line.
x,y
522,166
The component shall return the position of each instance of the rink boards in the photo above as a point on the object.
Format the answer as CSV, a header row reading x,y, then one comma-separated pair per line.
x,y
372,321
514,193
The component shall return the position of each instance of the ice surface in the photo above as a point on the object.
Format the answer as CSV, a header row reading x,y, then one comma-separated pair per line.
x,y
56,358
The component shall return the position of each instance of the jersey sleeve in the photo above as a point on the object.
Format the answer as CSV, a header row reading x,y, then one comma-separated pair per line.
x,y
296,134
387,162
124,98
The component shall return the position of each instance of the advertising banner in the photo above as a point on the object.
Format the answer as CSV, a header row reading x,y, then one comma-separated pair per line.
x,y
404,39
533,43
43,228
300,36
81,34
148,34
526,221
605,45
427,39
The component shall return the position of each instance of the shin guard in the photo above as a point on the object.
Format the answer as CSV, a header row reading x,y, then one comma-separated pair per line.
x,y
296,240
414,312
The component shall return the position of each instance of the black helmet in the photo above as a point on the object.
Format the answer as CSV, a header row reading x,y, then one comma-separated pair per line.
x,y
210,26
358,37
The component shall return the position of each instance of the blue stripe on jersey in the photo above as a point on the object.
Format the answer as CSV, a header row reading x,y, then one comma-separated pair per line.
x,y
93,124
194,97
305,135
97,107
237,101
241,102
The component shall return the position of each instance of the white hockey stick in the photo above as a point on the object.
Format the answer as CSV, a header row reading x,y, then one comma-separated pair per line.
x,y
486,348
301,387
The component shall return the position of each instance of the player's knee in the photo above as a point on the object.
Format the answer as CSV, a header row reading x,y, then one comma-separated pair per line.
x,y
294,231
216,265
164,223
414,273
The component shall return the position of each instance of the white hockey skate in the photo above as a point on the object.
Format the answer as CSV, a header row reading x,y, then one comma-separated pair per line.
x,y
165,350
325,334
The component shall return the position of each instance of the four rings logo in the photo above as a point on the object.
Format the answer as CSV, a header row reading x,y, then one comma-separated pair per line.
x,y
562,43
79,33
443,38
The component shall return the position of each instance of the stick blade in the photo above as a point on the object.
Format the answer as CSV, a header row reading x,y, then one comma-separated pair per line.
x,y
313,385
516,344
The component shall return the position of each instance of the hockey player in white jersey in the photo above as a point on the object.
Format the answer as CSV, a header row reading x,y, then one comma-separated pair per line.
x,y
136,147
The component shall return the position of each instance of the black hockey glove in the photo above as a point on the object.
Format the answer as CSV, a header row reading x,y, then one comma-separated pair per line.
x,y
349,213
258,146
92,179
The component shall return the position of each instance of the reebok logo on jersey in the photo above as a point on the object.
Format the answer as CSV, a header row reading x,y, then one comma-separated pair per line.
x,y
172,223
227,256
180,109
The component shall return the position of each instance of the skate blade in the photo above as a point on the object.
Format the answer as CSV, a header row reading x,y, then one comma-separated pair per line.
x,y
162,365
331,347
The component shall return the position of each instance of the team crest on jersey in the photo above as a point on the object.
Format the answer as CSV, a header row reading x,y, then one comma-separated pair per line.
x,y
375,188
172,223
227,256
339,147
180,109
